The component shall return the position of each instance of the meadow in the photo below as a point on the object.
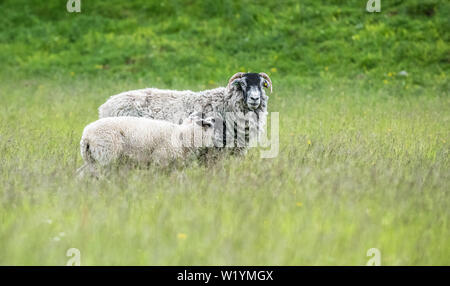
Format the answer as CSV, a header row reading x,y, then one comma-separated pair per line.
x,y
364,133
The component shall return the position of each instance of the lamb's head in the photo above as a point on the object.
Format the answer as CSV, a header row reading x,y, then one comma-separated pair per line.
x,y
199,131
251,86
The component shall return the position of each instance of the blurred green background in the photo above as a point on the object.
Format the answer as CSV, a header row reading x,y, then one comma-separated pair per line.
x,y
207,41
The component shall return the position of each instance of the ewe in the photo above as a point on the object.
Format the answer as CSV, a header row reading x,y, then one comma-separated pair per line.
x,y
142,141
240,108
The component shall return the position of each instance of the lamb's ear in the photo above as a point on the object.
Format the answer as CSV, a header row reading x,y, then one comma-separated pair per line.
x,y
196,114
268,82
208,122
236,78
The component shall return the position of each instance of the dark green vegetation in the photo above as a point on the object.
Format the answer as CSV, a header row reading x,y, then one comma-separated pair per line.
x,y
364,151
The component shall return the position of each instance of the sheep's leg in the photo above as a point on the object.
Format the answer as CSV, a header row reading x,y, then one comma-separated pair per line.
x,y
81,172
87,170
239,151
163,157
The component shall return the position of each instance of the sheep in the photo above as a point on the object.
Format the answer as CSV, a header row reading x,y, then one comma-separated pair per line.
x,y
242,101
142,141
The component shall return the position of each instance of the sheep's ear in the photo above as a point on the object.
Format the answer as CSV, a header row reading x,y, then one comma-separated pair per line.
x,y
267,81
196,114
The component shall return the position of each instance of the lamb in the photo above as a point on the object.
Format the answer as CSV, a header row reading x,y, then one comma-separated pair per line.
x,y
242,101
142,141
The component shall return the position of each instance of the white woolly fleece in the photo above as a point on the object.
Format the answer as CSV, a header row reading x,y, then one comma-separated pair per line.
x,y
141,140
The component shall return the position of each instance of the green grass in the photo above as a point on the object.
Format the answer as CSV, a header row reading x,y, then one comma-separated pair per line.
x,y
364,152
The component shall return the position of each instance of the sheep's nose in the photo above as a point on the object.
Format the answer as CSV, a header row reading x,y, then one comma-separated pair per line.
x,y
254,98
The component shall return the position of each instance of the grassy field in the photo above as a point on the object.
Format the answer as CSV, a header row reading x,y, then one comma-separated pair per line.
x,y
364,151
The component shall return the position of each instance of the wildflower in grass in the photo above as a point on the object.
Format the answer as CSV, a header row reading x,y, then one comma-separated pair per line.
x,y
309,142
299,204
99,67
390,74
72,73
273,70
181,236
385,81
326,68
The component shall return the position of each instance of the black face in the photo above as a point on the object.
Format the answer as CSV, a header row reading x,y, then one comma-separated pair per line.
x,y
252,86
